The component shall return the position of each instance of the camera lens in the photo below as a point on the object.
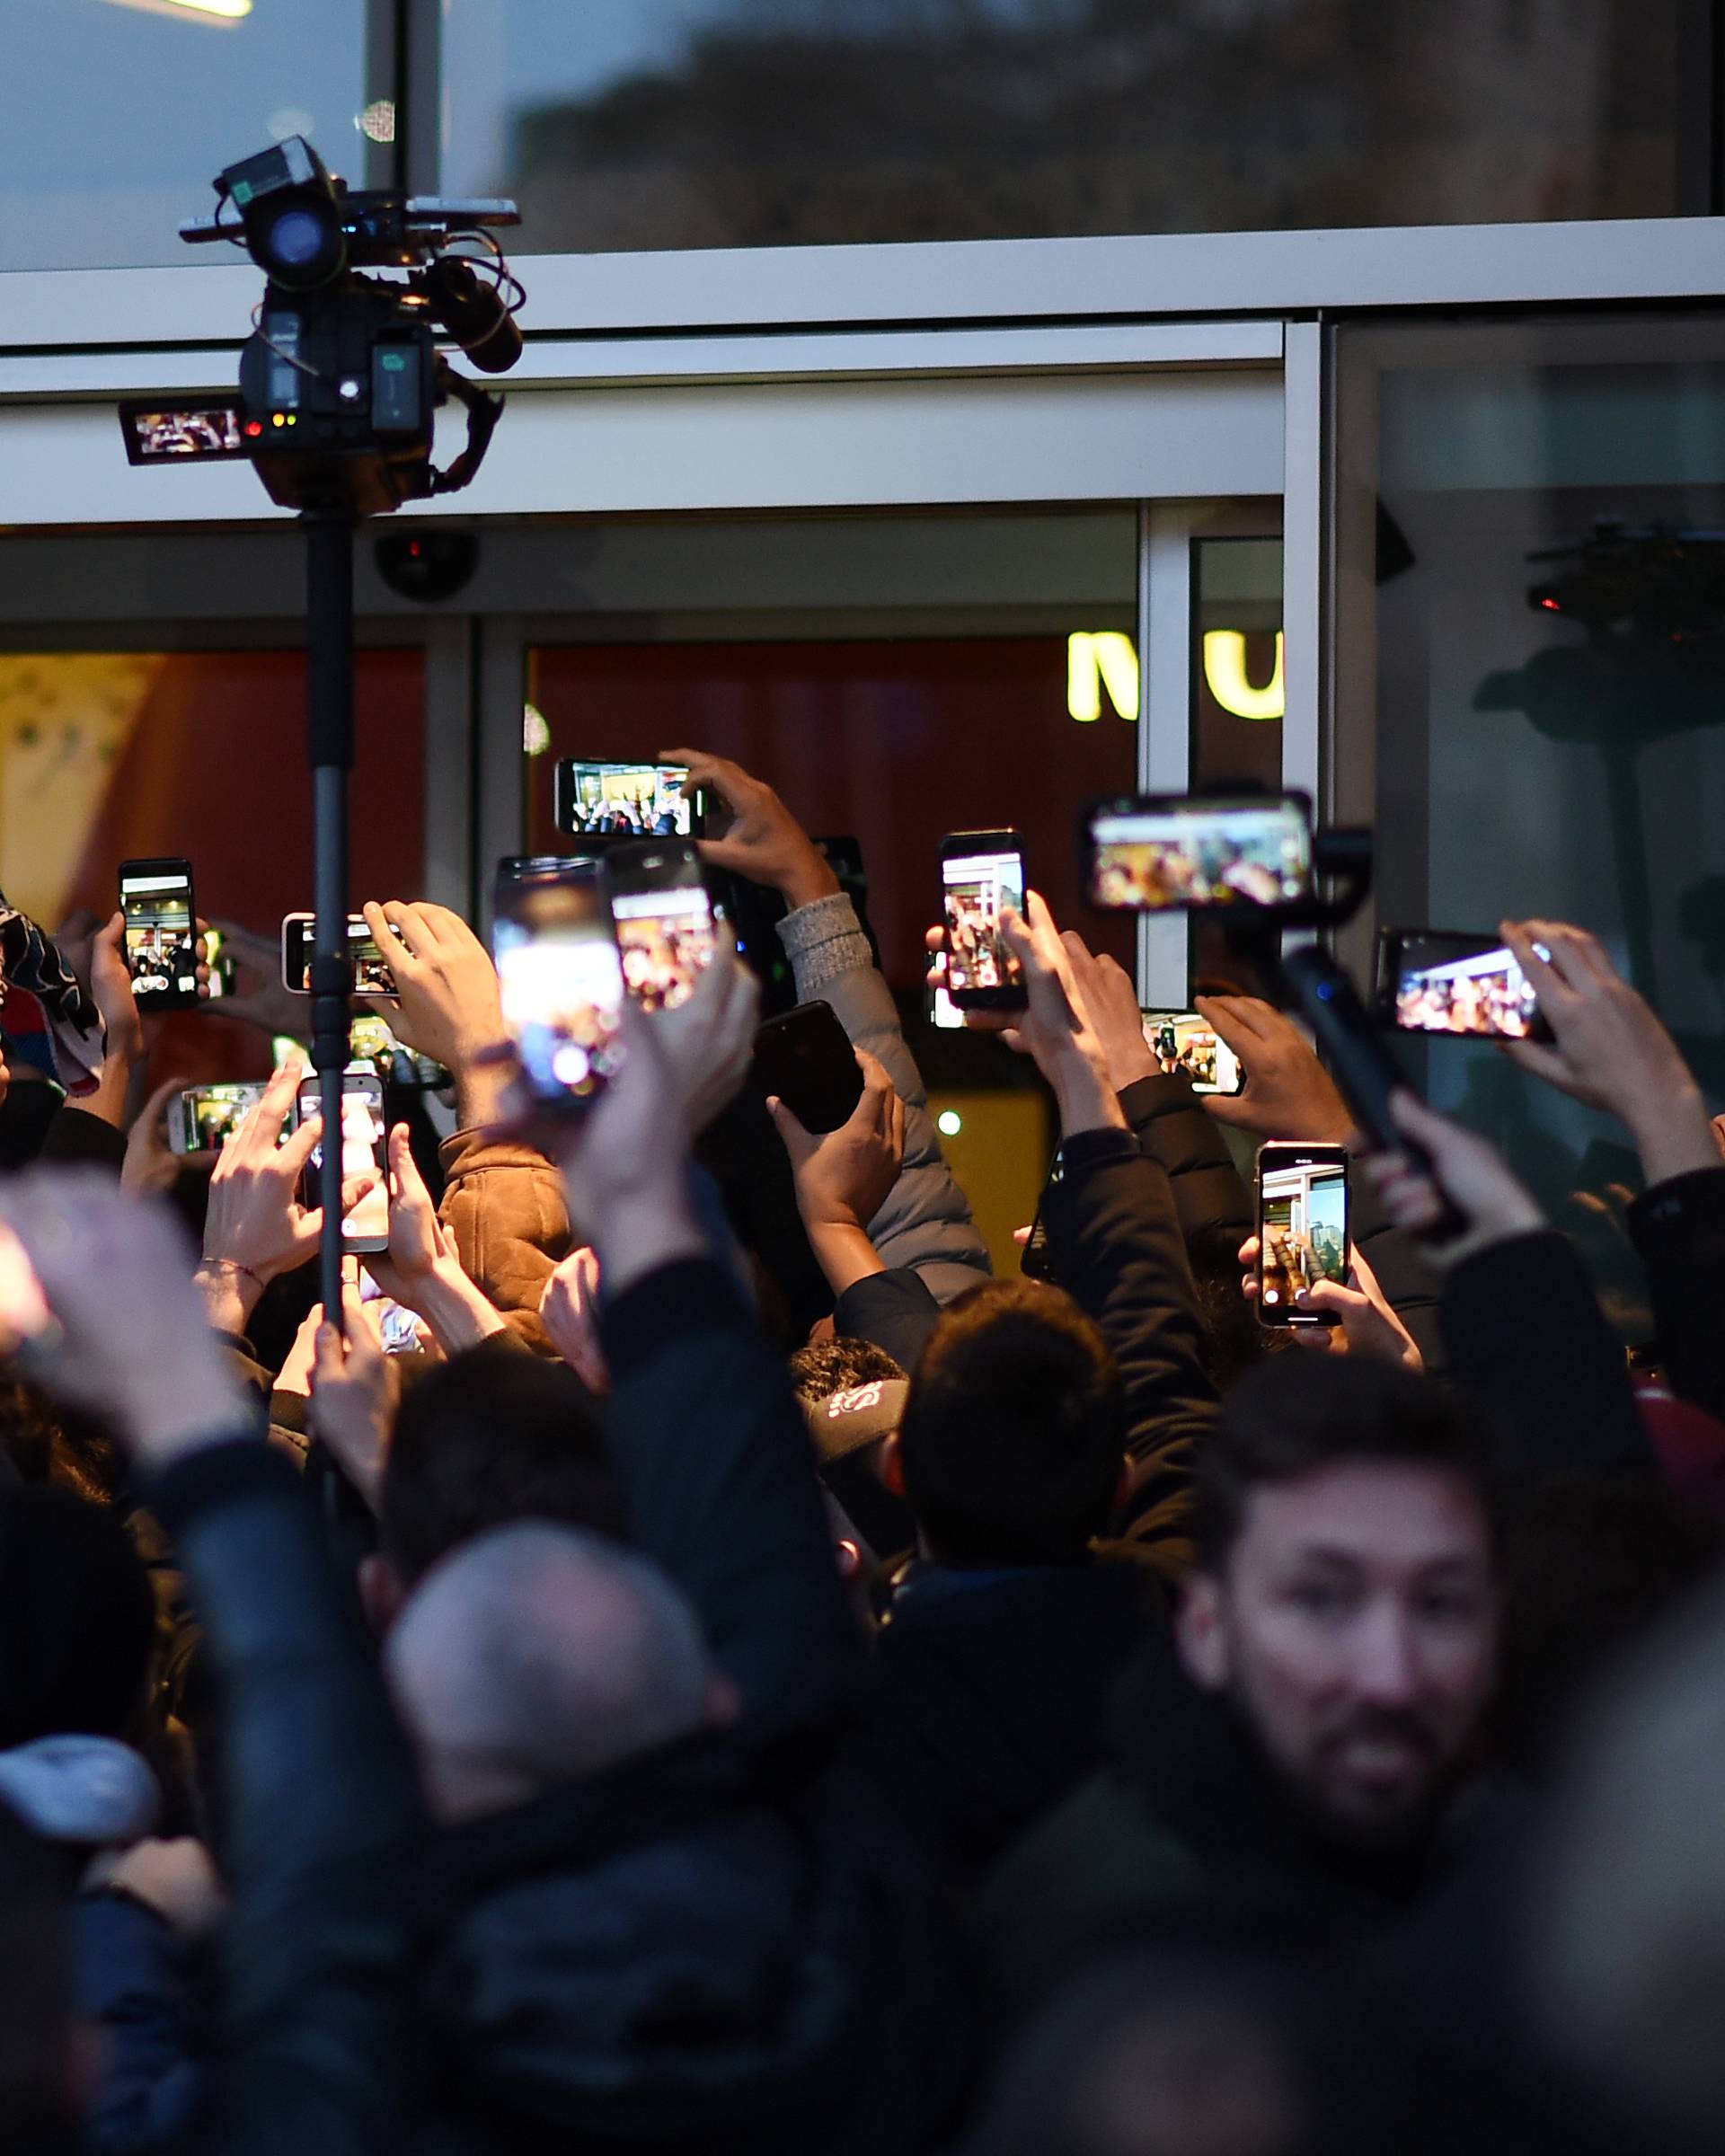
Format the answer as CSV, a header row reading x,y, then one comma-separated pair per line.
x,y
296,238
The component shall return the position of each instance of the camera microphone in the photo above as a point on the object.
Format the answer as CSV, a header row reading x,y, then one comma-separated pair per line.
x,y
473,313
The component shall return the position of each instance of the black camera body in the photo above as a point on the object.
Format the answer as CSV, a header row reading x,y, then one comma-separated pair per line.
x,y
346,378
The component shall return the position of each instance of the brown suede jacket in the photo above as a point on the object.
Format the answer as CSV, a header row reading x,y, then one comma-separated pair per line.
x,y
503,1203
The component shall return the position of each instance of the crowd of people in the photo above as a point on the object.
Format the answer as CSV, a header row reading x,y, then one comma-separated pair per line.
x,y
752,1679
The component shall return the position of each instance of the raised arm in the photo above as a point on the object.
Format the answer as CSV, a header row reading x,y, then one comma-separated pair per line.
x,y
313,2046
711,1450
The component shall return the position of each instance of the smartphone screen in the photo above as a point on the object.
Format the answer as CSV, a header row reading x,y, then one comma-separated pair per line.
x,y
626,801
982,873
371,973
1439,981
665,922
561,977
1181,1040
363,1147
204,1116
1302,1227
160,931
1164,852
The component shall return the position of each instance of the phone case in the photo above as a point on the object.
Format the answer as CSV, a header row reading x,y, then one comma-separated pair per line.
x,y
806,1059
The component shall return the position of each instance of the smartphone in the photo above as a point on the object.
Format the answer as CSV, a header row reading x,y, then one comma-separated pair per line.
x,y
561,977
1182,1040
1171,852
516,867
1434,980
805,1056
943,1012
1302,1228
202,1118
364,1135
608,801
1360,1061
371,974
160,932
667,932
982,873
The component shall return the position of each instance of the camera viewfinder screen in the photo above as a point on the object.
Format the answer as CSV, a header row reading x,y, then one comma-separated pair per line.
x,y
169,435
626,801
1177,855
976,887
1181,1040
371,972
1451,985
363,1152
215,1112
1304,1227
161,940
665,938
561,976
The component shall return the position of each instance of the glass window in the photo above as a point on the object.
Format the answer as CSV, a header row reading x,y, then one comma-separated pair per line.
x,y
108,757
1531,682
120,112
634,124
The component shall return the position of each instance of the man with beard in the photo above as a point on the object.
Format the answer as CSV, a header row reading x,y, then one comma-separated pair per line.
x,y
1306,1749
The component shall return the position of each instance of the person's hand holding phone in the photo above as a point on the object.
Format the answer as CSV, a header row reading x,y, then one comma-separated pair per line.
x,y
1288,1094
420,1269
708,1038
1366,1324
568,1310
1056,1027
129,1338
256,1228
356,1389
447,1005
844,1177
259,995
1609,1049
763,841
1468,1170
151,1168
1112,1002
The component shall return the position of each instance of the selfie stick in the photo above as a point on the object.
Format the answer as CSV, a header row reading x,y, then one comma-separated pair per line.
x,y
328,734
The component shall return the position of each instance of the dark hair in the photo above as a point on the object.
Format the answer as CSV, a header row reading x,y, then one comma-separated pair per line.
x,y
839,1364
1013,1431
495,1435
1296,1414
79,1630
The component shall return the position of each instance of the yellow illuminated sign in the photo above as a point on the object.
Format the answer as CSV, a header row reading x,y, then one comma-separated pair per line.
x,y
1103,659
1224,669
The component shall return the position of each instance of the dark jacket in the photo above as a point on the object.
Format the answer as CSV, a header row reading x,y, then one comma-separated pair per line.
x,y
993,1687
1169,1121
1678,1226
730,1945
313,2046
1189,1814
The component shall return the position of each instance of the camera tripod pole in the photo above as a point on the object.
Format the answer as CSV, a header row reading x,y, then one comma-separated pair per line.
x,y
329,733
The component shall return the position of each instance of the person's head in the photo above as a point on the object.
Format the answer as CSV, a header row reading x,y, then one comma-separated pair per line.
x,y
493,1435
1346,1592
537,1655
1010,1452
74,1654
840,1364
853,1395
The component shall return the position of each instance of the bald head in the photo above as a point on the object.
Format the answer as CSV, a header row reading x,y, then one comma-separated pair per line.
x,y
537,1655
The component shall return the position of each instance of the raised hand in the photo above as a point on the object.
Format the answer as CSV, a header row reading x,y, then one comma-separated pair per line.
x,y
764,842
447,1005
355,1392
1287,1093
568,1310
1368,1325
1470,1172
1109,994
1608,1049
260,996
844,1177
421,1269
151,1168
256,1228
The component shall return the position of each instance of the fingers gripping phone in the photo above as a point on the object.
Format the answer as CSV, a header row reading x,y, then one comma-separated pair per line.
x,y
665,929
1434,980
982,873
806,1059
1166,852
371,974
559,974
1302,1228
364,1138
160,939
